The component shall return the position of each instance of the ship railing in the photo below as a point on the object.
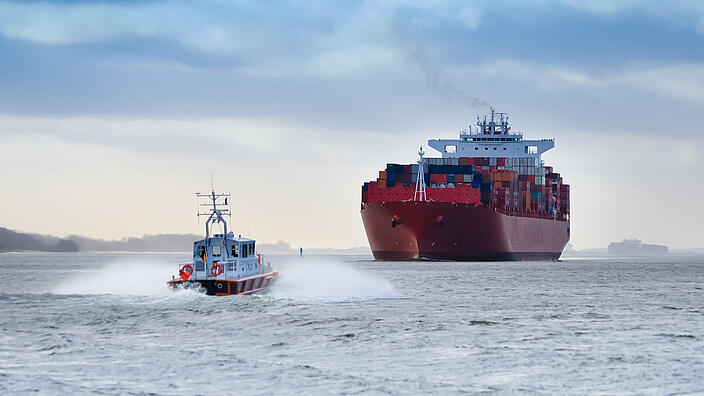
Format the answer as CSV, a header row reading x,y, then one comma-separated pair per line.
x,y
529,213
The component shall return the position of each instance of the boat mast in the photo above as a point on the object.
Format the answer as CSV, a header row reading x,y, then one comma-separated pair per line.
x,y
419,194
217,210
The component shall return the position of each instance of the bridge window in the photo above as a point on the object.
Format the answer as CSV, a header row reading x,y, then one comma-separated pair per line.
x,y
201,251
216,251
450,148
532,149
234,250
476,148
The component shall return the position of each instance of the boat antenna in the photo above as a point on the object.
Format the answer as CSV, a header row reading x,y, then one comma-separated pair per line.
x,y
218,207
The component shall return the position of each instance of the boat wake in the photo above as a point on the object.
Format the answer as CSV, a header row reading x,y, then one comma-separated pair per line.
x,y
123,277
323,278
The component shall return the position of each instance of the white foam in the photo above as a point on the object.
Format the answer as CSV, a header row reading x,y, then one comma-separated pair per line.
x,y
316,278
123,277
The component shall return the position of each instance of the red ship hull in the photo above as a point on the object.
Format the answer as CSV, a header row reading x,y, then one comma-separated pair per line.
x,y
463,232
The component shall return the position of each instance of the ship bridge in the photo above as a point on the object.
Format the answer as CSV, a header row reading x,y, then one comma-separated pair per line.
x,y
491,138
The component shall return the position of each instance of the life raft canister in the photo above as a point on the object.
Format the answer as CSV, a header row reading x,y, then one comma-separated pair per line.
x,y
216,269
186,272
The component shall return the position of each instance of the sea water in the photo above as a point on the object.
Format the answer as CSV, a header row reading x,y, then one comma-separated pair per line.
x,y
91,323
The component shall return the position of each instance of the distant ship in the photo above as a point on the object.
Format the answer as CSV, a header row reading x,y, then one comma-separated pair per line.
x,y
490,197
635,247
222,264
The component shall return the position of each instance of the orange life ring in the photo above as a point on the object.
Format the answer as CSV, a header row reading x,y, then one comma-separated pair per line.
x,y
186,271
216,269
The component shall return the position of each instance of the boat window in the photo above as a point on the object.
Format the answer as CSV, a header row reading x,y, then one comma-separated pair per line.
x,y
230,266
450,148
200,266
244,251
234,250
201,251
252,248
216,251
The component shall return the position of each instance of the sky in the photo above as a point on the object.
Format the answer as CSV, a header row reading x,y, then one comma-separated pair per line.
x,y
113,114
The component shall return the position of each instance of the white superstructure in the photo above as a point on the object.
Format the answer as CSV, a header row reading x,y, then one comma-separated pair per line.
x,y
492,138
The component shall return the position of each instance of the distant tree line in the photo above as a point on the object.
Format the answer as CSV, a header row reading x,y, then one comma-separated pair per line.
x,y
13,240
147,243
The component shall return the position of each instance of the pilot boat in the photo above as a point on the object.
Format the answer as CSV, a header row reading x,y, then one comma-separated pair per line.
x,y
223,265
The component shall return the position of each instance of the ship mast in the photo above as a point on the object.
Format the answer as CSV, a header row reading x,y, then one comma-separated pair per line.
x,y
419,194
216,210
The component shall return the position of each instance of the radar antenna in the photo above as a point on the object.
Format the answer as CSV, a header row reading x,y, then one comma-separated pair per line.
x,y
218,207
419,194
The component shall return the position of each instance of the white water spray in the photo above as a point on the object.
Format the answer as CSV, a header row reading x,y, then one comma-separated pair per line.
x,y
324,278
127,276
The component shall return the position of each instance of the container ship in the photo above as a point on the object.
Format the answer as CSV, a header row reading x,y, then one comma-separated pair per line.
x,y
635,247
489,197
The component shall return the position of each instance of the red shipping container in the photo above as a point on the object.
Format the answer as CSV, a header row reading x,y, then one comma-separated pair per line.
x,y
501,161
435,178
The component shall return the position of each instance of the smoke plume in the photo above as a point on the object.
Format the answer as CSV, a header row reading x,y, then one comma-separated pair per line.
x,y
441,85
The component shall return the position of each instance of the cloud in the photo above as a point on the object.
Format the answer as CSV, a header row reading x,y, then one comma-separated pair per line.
x,y
679,81
606,7
218,27
683,81
194,27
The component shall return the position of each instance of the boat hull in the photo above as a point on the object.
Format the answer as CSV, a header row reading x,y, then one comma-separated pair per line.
x,y
228,287
462,232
